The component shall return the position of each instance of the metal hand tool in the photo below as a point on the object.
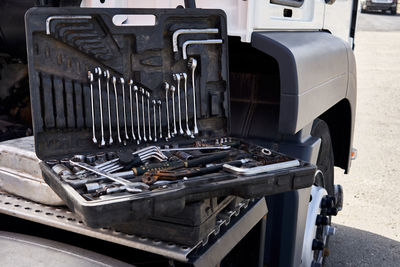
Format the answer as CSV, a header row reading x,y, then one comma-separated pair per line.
x,y
52,162
188,132
148,114
99,76
151,150
143,115
130,161
176,34
90,76
173,108
135,89
183,155
90,159
170,165
192,64
154,120
114,80
192,42
172,175
61,169
159,116
223,147
122,81
107,75
166,87
130,186
177,78
261,169
131,107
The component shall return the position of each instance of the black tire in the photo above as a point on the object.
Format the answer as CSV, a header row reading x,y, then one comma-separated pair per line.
x,y
325,161
363,10
393,11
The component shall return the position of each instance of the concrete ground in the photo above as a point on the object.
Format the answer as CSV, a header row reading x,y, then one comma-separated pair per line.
x,y
369,225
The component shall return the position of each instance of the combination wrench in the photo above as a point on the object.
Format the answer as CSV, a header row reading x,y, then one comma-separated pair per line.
x,y
166,86
177,78
90,77
107,75
159,116
135,89
143,115
188,132
192,64
173,108
122,81
154,120
131,106
99,76
148,114
114,80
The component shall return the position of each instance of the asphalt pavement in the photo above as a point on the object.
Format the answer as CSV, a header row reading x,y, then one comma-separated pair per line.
x,y
368,228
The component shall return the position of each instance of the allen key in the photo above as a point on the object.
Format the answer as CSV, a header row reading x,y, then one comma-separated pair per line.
x,y
192,42
176,34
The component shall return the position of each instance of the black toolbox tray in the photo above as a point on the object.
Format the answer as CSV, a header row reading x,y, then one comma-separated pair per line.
x,y
61,51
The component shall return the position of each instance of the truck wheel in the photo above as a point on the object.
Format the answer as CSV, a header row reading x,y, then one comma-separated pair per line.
x,y
325,161
393,10
318,226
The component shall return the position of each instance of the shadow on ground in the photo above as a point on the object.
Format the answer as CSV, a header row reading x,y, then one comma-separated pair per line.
x,y
354,247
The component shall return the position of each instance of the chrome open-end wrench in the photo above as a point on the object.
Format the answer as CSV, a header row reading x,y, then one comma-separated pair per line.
x,y
136,89
192,64
177,78
90,77
188,132
159,116
131,107
99,76
107,75
166,87
143,115
154,120
173,108
122,81
114,80
148,114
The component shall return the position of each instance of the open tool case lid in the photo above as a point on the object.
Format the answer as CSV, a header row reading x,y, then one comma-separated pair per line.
x,y
63,44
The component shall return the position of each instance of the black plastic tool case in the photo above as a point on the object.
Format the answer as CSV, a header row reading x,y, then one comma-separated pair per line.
x,y
62,49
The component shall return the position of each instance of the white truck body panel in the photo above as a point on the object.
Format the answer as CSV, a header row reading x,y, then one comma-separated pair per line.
x,y
245,17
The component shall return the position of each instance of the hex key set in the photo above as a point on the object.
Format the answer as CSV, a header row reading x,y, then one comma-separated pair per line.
x,y
133,122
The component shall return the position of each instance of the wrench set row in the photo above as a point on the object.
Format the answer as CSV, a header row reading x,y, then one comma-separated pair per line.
x,y
148,118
